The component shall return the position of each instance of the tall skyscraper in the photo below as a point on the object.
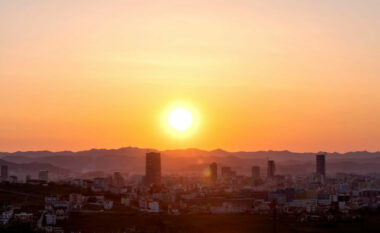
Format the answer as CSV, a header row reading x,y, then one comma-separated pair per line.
x,y
153,168
271,168
4,173
213,172
255,172
321,164
43,175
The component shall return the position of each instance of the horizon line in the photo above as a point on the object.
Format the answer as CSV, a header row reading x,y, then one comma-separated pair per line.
x,y
192,148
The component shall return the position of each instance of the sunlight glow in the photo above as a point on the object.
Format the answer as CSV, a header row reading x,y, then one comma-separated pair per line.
x,y
180,119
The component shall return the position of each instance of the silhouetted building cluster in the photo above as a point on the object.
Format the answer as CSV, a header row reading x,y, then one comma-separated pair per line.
x,y
227,172
297,195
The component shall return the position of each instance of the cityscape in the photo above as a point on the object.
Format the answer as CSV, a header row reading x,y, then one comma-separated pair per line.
x,y
316,198
189,116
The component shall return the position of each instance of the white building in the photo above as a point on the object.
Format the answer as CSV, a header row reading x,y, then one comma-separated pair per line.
x,y
23,216
5,216
108,204
76,198
51,219
153,207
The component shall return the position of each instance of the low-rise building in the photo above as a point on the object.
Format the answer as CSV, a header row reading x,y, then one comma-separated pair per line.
x,y
23,216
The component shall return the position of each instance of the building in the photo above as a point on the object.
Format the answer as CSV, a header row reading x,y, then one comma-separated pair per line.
x,y
5,216
153,168
76,198
255,172
51,219
321,164
43,175
108,204
100,184
4,173
271,168
226,171
12,179
117,180
23,216
213,172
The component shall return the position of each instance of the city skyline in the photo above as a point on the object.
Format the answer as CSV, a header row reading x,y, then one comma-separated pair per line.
x,y
299,200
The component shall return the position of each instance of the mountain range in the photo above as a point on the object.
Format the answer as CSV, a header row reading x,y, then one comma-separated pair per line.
x,y
32,168
187,161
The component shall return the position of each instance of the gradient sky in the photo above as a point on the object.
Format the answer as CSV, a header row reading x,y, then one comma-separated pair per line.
x,y
295,75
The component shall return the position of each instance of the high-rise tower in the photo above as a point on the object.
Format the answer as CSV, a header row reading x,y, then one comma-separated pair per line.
x,y
271,168
213,172
321,164
153,168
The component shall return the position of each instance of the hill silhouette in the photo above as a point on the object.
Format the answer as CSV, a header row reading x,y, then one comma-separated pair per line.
x,y
186,161
21,170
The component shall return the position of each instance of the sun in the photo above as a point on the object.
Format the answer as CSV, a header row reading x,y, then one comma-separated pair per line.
x,y
180,119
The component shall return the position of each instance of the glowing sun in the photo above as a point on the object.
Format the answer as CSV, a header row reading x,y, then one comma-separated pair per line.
x,y
180,119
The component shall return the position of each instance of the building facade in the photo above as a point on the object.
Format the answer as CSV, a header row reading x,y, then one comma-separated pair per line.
x,y
255,172
4,173
271,169
213,172
321,164
153,168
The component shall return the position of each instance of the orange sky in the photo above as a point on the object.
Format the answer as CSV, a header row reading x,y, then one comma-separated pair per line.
x,y
296,75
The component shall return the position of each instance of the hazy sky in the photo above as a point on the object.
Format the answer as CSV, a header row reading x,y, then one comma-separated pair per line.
x,y
298,75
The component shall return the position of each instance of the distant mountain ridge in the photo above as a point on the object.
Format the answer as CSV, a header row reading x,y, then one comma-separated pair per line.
x,y
132,160
21,170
